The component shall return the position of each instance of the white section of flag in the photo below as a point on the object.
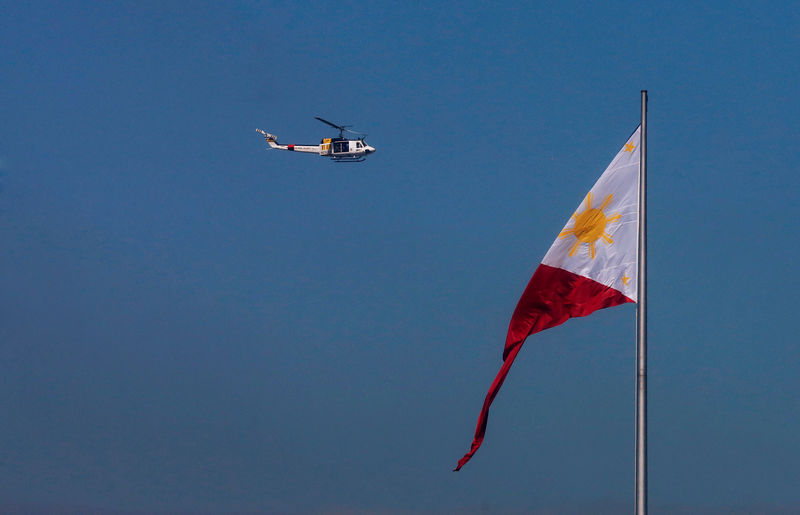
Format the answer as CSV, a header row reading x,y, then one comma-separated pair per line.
x,y
614,263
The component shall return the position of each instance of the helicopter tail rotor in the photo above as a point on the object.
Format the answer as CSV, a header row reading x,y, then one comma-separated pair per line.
x,y
269,137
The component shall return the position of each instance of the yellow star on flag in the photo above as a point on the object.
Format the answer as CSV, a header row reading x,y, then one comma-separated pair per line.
x,y
625,279
629,147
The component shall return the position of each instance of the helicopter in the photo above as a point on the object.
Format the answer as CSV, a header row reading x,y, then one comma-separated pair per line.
x,y
341,149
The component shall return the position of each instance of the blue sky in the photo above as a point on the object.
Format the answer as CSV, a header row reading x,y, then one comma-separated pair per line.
x,y
192,324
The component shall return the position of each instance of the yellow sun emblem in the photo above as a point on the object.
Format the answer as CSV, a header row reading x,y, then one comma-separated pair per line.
x,y
590,226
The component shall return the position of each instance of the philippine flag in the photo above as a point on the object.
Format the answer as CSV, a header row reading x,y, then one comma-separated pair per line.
x,y
591,265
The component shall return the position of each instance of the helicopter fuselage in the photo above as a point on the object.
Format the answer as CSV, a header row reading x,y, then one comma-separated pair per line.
x,y
342,148
338,149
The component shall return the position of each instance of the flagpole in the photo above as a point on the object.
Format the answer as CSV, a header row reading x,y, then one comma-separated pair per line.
x,y
641,325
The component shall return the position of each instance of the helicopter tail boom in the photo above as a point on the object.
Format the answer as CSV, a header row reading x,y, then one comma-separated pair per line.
x,y
272,140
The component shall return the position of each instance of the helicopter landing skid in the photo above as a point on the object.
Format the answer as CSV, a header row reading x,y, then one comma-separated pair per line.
x,y
348,159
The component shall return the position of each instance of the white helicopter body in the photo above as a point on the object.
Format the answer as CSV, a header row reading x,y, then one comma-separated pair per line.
x,y
339,149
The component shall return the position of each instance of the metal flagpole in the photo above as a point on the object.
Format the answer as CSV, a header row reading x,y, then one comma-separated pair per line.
x,y
641,325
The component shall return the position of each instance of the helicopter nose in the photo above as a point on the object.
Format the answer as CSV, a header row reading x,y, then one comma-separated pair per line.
x,y
370,150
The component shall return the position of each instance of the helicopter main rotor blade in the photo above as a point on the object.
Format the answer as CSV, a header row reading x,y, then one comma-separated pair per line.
x,y
340,127
356,132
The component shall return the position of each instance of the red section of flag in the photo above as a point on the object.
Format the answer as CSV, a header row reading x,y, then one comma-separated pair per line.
x,y
552,297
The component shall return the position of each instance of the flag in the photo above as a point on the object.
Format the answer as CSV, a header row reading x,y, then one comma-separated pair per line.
x,y
591,265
